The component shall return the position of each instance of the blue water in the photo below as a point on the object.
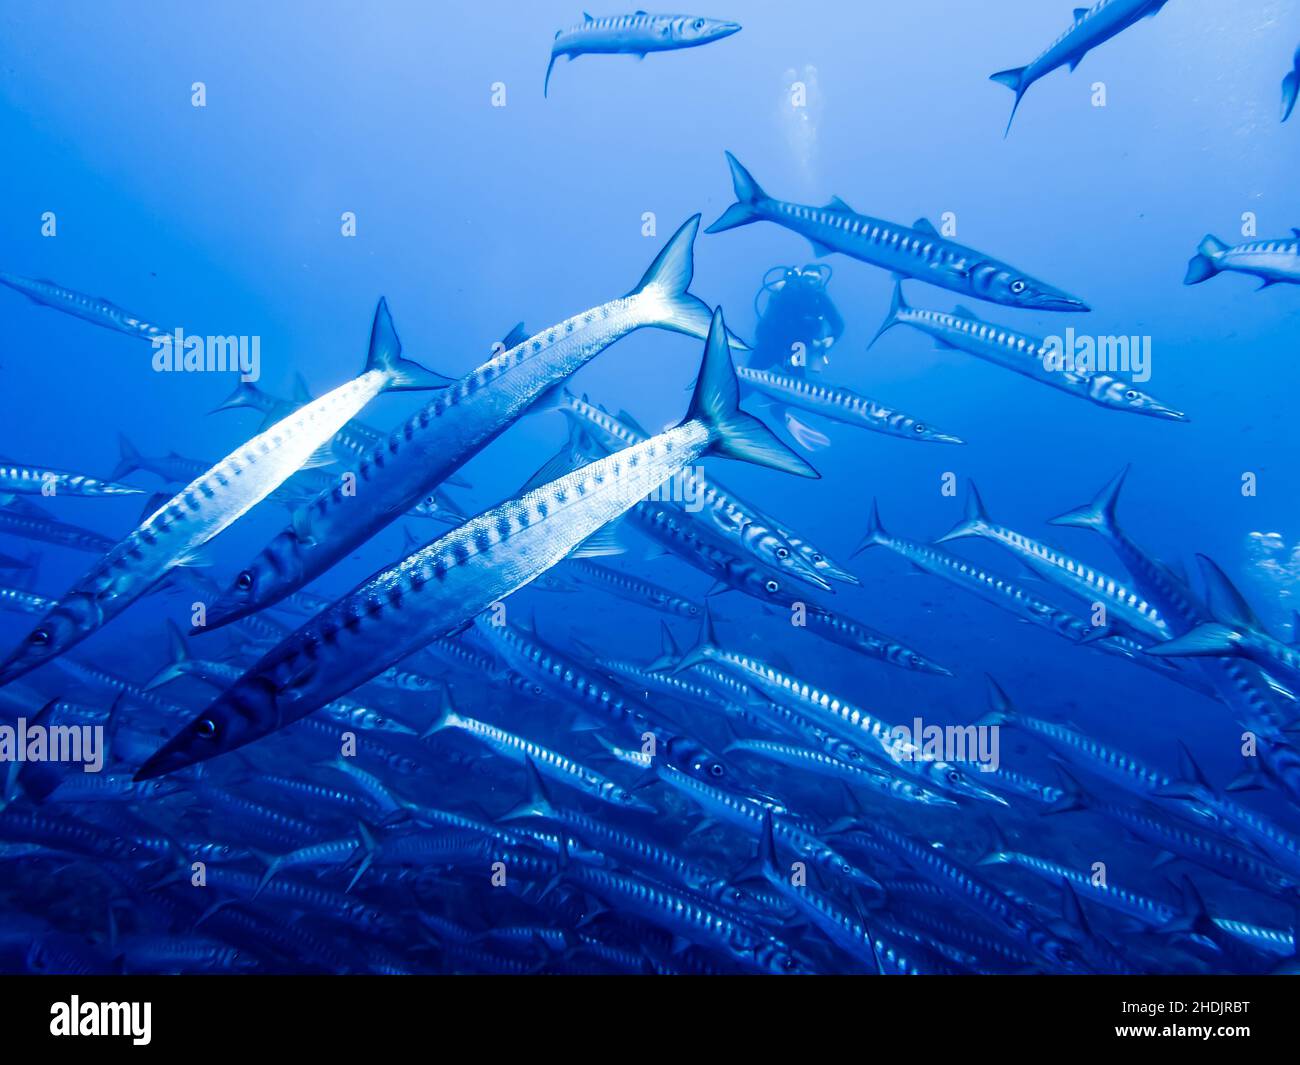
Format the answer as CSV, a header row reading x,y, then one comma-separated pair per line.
x,y
226,219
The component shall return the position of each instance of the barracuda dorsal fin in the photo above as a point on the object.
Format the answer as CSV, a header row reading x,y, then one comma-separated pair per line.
x,y
605,541
924,225
515,337
1079,13
839,206
1225,601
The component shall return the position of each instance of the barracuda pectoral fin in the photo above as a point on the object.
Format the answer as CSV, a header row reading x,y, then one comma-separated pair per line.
x,y
322,456
605,541
820,249
301,525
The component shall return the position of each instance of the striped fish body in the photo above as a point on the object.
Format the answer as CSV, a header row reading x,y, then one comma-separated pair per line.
x,y
172,535
46,530
1026,355
1272,261
1094,26
37,480
24,602
88,308
433,592
841,405
638,34
455,426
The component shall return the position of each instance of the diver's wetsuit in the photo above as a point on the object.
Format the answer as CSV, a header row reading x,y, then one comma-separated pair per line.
x,y
797,322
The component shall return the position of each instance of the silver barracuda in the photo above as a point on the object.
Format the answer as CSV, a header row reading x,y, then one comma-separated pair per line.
x,y
174,533
441,588
1076,577
88,308
1272,261
841,405
842,719
458,424
917,251
43,481
1242,687
722,517
637,34
1023,354
1092,26
32,524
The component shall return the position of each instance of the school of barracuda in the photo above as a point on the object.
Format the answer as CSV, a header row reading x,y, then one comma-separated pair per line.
x,y
413,776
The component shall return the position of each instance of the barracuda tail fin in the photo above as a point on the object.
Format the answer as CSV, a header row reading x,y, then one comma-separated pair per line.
x,y
875,533
716,405
702,651
129,458
1013,79
180,658
247,394
748,197
402,375
1100,513
896,305
1290,87
1210,640
1000,711
975,521
1204,264
666,283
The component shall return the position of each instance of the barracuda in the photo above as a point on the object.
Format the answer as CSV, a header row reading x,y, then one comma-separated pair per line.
x,y
1012,597
174,533
845,720
32,526
1272,261
1149,911
637,34
841,405
441,588
88,308
458,424
564,678
42,481
918,252
1011,918
631,588
1023,354
1240,685
723,516
1092,26
825,765
1077,578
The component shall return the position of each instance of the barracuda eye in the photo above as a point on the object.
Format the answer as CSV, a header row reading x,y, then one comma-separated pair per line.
x,y
920,428
39,638
698,23
953,776
206,729
782,552
818,558
244,581
1131,394
1017,286
716,770
772,586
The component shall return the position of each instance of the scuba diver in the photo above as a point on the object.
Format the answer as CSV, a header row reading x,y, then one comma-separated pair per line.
x,y
797,326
